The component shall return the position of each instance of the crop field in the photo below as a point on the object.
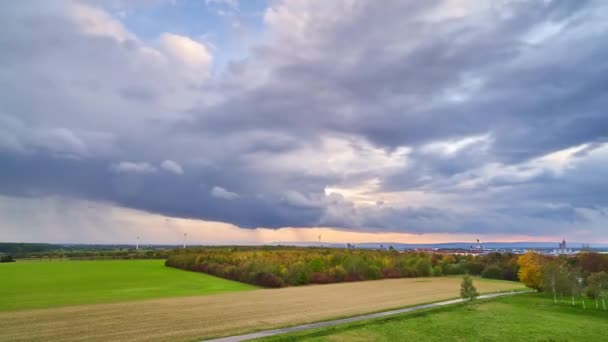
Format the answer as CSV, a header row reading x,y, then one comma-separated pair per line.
x,y
192,318
526,317
29,285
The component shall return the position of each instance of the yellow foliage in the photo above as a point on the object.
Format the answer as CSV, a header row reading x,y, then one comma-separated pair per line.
x,y
530,270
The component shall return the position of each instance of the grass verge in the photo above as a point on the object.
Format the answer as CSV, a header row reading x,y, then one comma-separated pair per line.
x,y
525,317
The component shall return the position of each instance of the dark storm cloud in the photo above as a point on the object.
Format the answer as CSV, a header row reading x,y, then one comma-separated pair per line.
x,y
394,97
81,95
185,196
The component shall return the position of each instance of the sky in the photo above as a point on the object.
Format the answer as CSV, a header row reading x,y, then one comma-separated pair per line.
x,y
239,122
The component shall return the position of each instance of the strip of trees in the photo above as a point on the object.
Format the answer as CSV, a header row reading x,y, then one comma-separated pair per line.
x,y
567,279
52,252
6,258
287,266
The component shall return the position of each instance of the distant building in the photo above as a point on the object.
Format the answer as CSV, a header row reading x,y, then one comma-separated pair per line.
x,y
478,249
563,249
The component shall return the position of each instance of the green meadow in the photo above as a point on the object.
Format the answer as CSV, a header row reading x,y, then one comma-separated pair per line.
x,y
29,285
527,317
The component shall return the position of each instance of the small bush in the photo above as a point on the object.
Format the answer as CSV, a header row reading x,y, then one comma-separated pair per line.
x,y
268,280
322,278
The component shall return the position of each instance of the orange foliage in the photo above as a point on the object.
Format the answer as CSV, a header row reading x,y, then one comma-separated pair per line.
x,y
530,270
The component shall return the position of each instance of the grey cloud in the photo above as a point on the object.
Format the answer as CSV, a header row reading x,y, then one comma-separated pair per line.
x,y
222,193
131,167
382,73
171,166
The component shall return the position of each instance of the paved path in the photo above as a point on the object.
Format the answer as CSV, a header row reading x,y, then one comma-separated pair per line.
x,y
274,332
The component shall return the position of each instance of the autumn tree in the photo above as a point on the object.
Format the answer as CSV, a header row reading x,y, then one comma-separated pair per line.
x,y
468,292
530,270
593,262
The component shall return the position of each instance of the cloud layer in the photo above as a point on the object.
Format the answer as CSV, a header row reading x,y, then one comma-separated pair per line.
x,y
462,117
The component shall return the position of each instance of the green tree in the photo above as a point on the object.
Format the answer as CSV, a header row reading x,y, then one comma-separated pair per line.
x,y
299,274
423,267
576,284
492,272
555,279
437,271
475,267
468,292
597,287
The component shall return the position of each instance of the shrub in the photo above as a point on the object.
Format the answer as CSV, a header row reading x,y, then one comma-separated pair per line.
x,y
299,274
268,280
372,272
423,267
492,272
391,273
452,269
338,272
353,277
322,278
475,267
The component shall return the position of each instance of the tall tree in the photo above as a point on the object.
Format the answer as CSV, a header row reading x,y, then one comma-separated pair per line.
x,y
555,278
597,287
530,270
576,283
468,292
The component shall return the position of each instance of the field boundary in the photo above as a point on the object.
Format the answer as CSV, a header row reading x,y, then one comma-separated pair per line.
x,y
324,324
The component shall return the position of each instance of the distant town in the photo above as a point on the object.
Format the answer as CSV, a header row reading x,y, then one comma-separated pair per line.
x,y
479,248
475,248
457,248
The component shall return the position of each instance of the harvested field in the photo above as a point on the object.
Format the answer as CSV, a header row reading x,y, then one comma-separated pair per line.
x,y
191,318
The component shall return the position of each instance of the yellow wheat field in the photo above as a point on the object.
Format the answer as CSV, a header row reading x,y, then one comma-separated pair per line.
x,y
195,318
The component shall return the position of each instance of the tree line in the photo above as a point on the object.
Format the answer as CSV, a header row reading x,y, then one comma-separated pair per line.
x,y
288,266
570,279
81,251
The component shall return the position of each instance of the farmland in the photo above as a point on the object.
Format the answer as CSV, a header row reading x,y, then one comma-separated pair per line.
x,y
189,318
28,285
528,317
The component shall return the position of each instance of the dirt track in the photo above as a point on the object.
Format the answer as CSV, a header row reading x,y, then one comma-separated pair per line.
x,y
191,318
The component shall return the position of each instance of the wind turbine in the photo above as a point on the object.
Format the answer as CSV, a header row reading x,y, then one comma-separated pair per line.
x,y
185,237
137,243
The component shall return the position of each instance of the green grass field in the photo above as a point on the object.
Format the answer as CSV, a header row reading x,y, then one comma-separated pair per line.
x,y
28,285
528,317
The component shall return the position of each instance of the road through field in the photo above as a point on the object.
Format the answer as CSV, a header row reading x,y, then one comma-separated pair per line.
x,y
191,318
325,324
